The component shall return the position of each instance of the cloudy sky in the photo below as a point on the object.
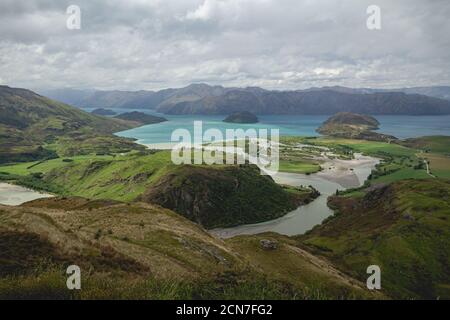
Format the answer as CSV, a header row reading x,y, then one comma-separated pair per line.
x,y
276,44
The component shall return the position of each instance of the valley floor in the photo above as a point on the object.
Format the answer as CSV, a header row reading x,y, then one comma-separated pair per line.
x,y
397,219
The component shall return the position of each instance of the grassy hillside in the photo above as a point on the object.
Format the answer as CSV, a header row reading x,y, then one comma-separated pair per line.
x,y
399,162
29,121
403,227
27,111
433,144
222,196
439,164
291,264
142,251
117,177
210,195
436,151
93,145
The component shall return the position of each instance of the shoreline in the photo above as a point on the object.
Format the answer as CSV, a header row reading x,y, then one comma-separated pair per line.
x,y
337,176
336,173
333,169
15,195
342,171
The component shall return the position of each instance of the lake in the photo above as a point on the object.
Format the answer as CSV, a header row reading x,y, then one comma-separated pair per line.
x,y
305,217
291,125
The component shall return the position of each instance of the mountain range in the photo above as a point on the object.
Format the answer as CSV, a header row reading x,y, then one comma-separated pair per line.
x,y
206,99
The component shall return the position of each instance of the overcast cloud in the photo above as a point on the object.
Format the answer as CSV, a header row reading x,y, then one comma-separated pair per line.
x,y
275,44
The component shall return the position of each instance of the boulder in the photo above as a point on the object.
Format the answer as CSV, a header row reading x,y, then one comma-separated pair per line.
x,y
269,244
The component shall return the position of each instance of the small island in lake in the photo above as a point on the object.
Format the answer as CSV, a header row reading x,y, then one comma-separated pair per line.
x,y
242,117
140,117
103,112
353,126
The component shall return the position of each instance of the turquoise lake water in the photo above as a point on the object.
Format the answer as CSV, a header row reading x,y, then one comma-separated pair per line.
x,y
294,125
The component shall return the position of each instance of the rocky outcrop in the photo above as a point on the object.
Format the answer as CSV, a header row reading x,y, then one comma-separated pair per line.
x,y
268,244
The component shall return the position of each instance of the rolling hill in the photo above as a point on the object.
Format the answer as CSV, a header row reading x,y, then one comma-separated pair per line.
x,y
140,118
38,117
353,126
213,196
402,227
224,196
241,117
29,121
142,251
